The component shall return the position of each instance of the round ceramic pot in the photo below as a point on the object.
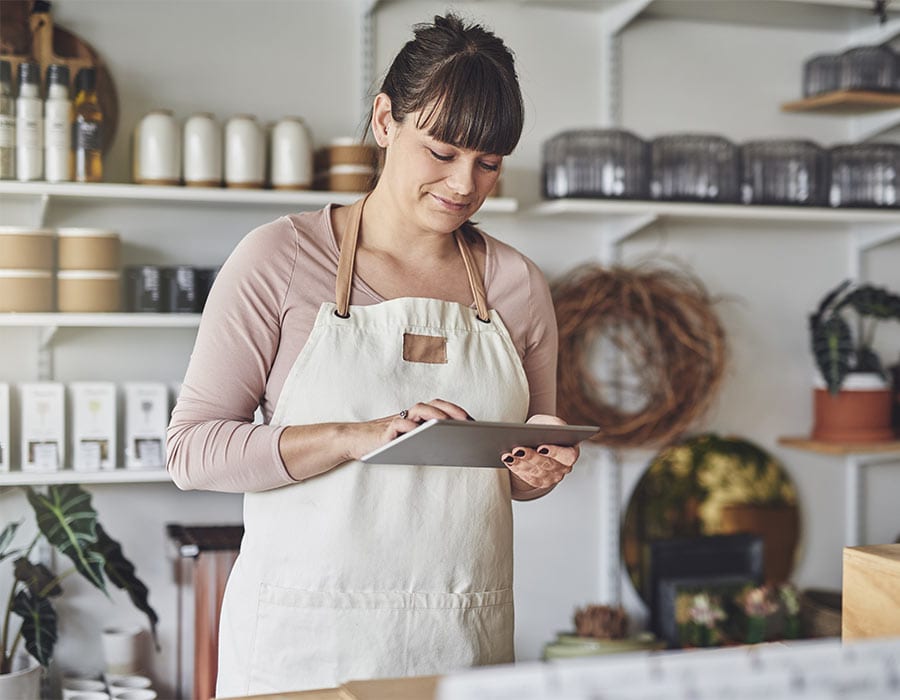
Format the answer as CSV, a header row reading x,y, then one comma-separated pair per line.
x,y
22,684
860,412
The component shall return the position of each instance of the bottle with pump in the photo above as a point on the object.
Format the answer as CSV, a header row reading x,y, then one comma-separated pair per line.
x,y
7,124
87,128
29,124
58,126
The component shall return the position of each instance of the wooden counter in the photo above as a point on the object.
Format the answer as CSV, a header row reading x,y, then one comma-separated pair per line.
x,y
871,595
421,688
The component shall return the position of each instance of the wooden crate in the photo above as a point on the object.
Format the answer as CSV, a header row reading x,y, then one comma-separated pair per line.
x,y
871,595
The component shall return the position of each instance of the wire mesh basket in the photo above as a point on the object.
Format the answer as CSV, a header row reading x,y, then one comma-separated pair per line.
x,y
821,74
865,175
694,167
602,163
869,68
784,172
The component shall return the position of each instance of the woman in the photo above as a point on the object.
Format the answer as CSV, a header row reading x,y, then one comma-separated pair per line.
x,y
329,319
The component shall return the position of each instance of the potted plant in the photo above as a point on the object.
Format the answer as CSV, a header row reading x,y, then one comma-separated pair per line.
x,y
69,523
854,403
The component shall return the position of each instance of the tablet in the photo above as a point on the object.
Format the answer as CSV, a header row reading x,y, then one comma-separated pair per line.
x,y
463,443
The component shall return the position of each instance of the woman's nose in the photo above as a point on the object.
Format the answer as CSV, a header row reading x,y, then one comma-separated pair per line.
x,y
462,178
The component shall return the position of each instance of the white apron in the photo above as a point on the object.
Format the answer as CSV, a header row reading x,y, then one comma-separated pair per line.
x,y
380,571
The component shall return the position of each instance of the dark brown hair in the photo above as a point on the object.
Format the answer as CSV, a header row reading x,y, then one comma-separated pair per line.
x,y
462,79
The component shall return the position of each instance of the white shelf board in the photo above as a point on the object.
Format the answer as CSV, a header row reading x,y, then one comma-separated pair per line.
x,y
301,200
105,320
69,476
722,212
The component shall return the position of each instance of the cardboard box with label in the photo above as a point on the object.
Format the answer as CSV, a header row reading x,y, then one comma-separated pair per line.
x,y
146,420
93,425
43,426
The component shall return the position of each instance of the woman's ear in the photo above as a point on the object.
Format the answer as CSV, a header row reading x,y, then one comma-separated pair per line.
x,y
382,121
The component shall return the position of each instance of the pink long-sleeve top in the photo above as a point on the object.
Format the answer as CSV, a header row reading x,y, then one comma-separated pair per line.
x,y
257,319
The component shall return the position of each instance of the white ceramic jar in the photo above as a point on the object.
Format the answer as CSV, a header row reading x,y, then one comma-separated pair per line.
x,y
245,152
157,149
292,155
202,149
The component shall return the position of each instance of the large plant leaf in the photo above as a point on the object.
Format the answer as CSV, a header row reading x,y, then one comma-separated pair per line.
x,y
832,346
38,624
6,538
122,573
874,302
39,579
825,309
69,522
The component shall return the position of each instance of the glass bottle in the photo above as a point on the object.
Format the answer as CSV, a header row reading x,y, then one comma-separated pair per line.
x,y
7,123
58,126
87,128
29,124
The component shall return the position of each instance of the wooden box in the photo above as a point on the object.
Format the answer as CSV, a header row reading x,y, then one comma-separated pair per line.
x,y
871,595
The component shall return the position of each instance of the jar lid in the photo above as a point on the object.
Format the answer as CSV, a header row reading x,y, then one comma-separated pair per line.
x,y
5,72
29,72
87,275
58,74
86,233
166,112
86,80
24,231
26,274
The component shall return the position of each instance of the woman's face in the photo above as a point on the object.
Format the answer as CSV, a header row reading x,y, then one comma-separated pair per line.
x,y
438,185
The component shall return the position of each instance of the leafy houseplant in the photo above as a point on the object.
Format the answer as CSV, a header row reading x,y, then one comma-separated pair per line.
x,y
836,351
67,520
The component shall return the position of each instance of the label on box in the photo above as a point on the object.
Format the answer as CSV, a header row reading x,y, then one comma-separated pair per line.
x,y
43,426
93,425
146,420
5,460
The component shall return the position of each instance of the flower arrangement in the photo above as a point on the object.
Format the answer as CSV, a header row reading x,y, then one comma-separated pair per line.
x,y
699,616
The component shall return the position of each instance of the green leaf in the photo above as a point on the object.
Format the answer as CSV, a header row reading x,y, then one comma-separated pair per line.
x,y
69,522
875,302
6,538
39,579
122,573
832,345
38,624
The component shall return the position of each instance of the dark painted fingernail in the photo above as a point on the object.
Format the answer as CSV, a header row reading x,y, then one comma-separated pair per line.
x,y
468,417
509,459
543,451
519,453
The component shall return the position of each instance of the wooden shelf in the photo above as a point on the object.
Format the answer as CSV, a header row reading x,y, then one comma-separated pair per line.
x,y
845,102
69,476
841,448
105,320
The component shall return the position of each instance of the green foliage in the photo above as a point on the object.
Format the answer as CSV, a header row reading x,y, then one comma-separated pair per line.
x,y
68,521
837,352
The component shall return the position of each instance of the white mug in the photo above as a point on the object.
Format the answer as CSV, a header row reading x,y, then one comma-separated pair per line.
x,y
157,149
121,650
292,155
245,152
119,682
134,694
202,148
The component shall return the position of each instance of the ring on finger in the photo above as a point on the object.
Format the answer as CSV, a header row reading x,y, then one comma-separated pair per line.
x,y
404,413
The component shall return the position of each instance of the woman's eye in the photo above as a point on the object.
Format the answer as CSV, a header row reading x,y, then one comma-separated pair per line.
x,y
491,167
441,157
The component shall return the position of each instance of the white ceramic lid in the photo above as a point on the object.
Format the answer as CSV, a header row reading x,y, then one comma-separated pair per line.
x,y
87,275
24,231
351,170
86,232
26,274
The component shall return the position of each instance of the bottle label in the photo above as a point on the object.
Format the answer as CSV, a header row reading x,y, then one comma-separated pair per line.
x,y
87,136
29,132
57,133
7,131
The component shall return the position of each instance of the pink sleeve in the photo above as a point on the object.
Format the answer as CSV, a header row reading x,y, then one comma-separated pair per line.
x,y
211,441
541,344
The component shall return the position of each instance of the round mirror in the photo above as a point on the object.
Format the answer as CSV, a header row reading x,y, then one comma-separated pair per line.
x,y
710,485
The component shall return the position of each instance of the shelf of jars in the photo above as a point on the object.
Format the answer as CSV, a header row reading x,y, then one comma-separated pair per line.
x,y
845,102
70,476
301,199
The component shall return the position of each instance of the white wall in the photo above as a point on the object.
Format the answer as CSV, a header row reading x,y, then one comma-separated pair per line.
x,y
274,58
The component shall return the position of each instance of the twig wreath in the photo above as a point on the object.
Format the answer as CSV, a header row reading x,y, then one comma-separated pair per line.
x,y
659,343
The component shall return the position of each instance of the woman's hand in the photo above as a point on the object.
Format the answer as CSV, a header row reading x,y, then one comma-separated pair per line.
x,y
542,468
373,434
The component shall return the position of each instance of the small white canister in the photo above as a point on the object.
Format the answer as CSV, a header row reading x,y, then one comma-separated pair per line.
x,y
157,149
245,152
292,155
202,149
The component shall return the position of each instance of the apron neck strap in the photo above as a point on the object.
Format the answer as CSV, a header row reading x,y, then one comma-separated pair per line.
x,y
346,261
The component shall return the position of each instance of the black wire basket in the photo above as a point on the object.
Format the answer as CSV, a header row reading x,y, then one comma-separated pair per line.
x,y
865,175
600,163
784,172
869,68
821,74
694,168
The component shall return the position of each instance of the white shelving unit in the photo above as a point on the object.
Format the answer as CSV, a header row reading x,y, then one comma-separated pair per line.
x,y
69,476
109,320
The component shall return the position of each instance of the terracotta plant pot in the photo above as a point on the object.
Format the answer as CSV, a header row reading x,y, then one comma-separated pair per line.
x,y
777,525
854,414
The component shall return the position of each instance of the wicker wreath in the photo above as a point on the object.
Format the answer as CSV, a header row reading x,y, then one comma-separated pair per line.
x,y
662,351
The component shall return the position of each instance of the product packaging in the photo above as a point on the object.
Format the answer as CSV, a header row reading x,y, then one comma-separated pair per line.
x,y
4,428
93,425
43,426
146,419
